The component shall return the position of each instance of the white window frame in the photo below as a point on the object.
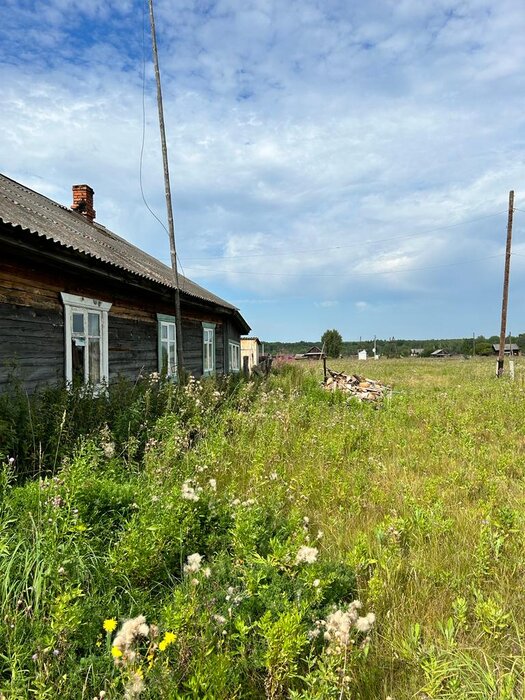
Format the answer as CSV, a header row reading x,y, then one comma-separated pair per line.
x,y
234,356
208,340
165,321
77,304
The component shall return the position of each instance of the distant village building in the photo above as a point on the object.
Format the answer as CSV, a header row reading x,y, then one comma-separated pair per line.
x,y
510,349
440,353
250,353
315,353
362,355
416,352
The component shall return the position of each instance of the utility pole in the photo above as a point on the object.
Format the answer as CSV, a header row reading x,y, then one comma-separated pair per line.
x,y
169,207
473,344
506,276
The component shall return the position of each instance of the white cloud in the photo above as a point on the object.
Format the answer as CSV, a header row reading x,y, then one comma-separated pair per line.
x,y
317,151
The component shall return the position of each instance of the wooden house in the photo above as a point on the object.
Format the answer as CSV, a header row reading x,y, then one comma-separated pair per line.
x,y
314,353
509,349
440,353
78,302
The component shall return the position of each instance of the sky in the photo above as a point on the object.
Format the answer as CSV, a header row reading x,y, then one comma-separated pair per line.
x,y
334,163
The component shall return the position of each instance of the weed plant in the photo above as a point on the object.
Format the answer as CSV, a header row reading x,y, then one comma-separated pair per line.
x,y
233,539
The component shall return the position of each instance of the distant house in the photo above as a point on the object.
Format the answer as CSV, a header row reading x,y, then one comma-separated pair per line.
x,y
440,353
314,353
250,353
362,355
416,352
79,303
509,349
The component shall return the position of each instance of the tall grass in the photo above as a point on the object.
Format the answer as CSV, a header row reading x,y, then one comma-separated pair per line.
x,y
415,507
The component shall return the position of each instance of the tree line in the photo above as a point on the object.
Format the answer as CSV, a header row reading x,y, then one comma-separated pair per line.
x,y
391,347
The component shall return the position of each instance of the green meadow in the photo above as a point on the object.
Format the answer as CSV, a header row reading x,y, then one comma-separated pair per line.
x,y
268,539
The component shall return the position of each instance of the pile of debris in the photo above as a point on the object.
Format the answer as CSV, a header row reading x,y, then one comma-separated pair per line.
x,y
361,388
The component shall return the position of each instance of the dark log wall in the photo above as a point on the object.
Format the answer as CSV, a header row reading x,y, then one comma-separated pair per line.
x,y
31,345
132,347
32,322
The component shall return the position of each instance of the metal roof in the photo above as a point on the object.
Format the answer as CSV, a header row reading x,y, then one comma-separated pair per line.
x,y
33,212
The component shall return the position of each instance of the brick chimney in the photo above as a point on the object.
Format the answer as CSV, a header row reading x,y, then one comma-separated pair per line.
x,y
83,201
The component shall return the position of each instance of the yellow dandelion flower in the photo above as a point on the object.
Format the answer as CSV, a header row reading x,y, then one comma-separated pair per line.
x,y
116,652
163,645
169,637
110,625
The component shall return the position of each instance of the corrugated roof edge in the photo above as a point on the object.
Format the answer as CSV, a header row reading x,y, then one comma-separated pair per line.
x,y
77,223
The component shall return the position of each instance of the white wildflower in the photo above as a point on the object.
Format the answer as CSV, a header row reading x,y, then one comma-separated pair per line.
x,y
134,687
213,484
130,631
193,563
273,476
219,619
207,572
306,555
316,583
365,624
189,492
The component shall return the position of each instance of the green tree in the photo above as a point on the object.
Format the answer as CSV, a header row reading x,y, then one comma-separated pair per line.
x,y
333,343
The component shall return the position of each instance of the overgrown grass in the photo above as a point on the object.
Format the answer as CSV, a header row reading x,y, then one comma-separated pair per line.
x,y
416,508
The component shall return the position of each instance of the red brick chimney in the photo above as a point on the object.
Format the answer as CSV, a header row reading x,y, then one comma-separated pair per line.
x,y
83,201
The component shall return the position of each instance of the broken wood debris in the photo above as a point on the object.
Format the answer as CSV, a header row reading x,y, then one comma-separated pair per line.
x,y
361,388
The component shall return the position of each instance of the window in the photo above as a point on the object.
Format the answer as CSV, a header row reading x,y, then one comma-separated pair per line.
x,y
86,339
234,354
208,348
167,345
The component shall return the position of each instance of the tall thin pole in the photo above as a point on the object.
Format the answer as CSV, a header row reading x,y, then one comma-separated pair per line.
x,y
169,207
504,302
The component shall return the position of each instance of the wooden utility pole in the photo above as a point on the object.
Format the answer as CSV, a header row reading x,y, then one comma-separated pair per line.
x,y
504,302
169,207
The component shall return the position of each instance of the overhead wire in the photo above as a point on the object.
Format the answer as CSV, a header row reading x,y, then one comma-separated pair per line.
x,y
354,274
350,245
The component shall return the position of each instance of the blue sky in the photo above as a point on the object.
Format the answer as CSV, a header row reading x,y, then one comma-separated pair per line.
x,y
334,163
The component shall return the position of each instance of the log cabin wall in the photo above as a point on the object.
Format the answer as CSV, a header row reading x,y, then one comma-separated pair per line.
x,y
33,275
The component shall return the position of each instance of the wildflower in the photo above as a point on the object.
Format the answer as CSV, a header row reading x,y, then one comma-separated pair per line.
x,y
365,624
194,563
306,555
273,476
169,637
190,493
316,583
55,652
110,625
207,572
35,656
109,449
123,643
219,619
213,484
339,625
135,685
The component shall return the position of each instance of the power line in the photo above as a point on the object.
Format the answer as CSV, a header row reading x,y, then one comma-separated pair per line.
x,y
353,274
340,247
